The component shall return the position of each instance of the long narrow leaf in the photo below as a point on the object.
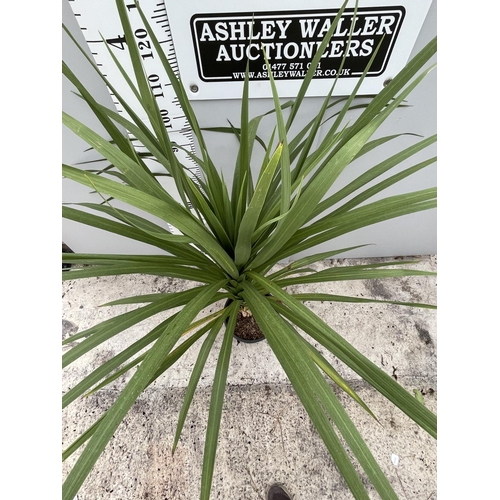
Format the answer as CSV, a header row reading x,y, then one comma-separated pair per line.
x,y
348,430
371,174
216,401
214,183
113,363
353,438
117,228
304,376
308,260
364,216
130,168
334,375
167,363
98,334
284,170
138,222
314,64
251,217
305,319
166,208
326,297
346,274
137,384
196,374
82,439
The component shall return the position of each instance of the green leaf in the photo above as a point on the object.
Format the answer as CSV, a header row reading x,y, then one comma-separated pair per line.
x,y
196,374
347,274
304,376
349,432
372,174
318,186
151,297
242,170
251,217
214,183
216,401
389,91
115,134
304,318
326,297
142,134
173,271
372,213
133,171
115,227
137,384
314,64
82,439
166,209
201,204
172,358
284,170
101,332
102,371
147,99
347,106
310,259
138,222
334,375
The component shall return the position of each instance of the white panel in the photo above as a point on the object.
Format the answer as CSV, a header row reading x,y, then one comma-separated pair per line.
x,y
213,37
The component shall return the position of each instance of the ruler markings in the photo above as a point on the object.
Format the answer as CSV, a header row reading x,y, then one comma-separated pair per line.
x,y
100,16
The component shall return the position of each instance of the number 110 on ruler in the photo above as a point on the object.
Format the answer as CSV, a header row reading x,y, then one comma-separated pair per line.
x,y
99,19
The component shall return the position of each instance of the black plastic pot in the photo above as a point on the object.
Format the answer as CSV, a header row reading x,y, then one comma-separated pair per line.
x,y
239,339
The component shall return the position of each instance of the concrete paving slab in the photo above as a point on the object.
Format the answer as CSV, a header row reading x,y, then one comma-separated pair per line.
x,y
266,435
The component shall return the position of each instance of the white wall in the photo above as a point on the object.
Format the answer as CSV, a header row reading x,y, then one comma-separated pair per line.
x,y
409,235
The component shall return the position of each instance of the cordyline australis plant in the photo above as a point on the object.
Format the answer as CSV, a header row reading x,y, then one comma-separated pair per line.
x,y
231,237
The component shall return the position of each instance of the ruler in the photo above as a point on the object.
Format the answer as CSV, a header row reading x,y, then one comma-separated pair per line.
x,y
99,19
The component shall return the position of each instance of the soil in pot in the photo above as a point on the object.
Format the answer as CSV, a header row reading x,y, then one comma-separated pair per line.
x,y
247,329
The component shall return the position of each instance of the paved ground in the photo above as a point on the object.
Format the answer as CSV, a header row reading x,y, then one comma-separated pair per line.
x,y
266,435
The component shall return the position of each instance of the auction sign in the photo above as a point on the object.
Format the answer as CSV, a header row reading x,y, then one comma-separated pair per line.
x,y
214,40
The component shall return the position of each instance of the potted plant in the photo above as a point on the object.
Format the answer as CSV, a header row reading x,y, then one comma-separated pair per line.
x,y
231,237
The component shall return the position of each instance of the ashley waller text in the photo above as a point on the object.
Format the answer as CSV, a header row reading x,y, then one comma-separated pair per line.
x,y
225,42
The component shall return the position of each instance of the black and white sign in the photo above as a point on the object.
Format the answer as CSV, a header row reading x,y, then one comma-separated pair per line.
x,y
214,39
223,43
